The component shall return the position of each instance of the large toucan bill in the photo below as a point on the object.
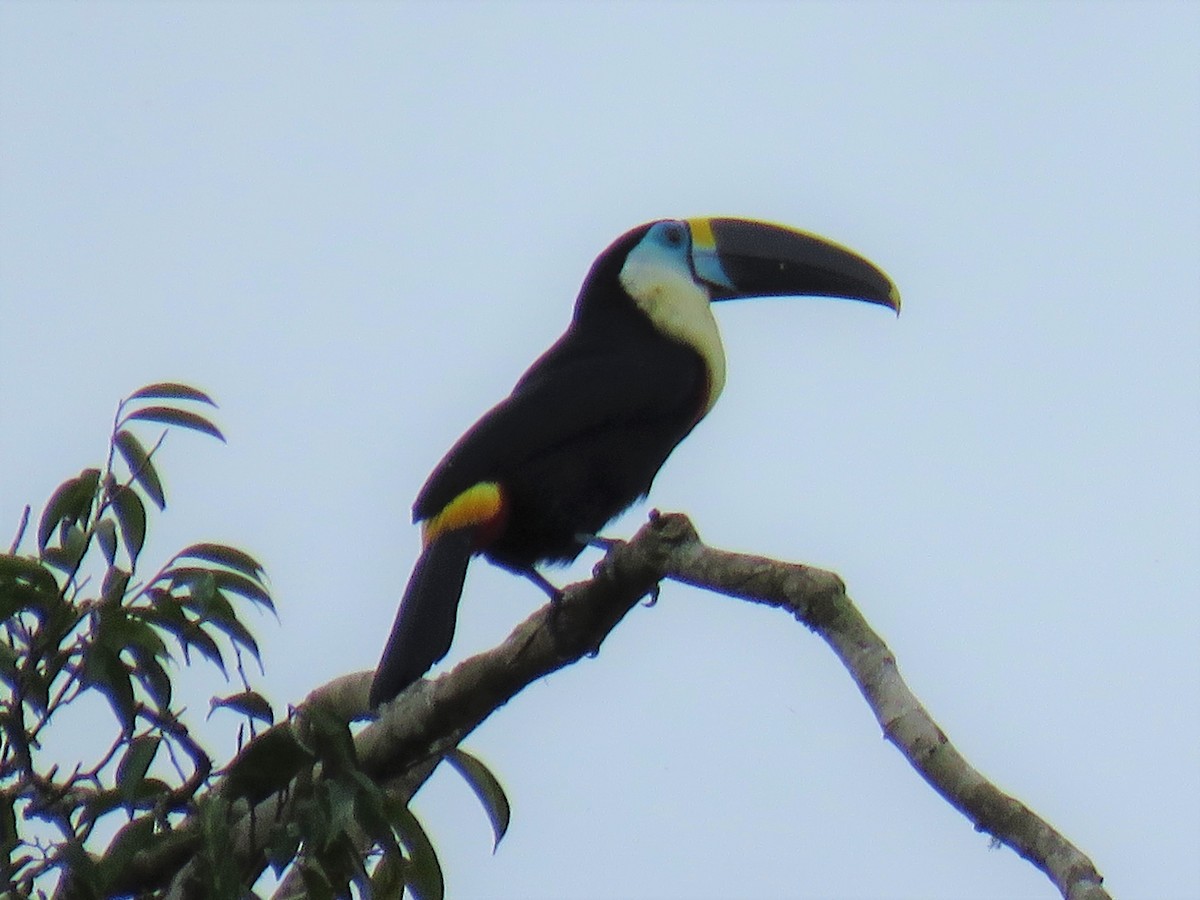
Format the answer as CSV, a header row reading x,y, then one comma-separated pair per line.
x,y
586,429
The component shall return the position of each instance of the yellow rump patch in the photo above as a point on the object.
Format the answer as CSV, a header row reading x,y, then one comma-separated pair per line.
x,y
478,505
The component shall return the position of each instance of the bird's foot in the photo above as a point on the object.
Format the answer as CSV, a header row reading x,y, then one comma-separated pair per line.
x,y
552,591
652,597
595,540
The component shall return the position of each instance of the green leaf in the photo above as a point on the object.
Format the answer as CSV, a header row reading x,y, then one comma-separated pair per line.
x,y
196,636
25,584
171,390
486,787
9,661
131,516
134,765
328,738
140,466
217,863
338,799
424,872
169,415
240,584
121,628
222,579
9,836
240,634
167,612
230,557
116,580
200,583
106,534
70,502
267,764
87,879
135,837
317,885
200,586
388,878
164,611
23,569
211,605
284,843
152,677
72,545
107,674
248,703
371,809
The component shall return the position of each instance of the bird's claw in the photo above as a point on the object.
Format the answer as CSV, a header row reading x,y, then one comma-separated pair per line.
x,y
652,596
595,540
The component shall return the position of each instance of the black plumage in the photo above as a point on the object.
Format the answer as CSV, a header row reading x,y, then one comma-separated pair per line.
x,y
588,426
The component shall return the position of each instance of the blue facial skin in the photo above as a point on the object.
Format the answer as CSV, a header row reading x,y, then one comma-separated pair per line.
x,y
673,243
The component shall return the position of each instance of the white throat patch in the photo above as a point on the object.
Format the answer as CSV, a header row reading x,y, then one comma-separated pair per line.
x,y
680,309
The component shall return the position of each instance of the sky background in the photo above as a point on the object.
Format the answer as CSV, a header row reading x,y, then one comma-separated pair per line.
x,y
356,225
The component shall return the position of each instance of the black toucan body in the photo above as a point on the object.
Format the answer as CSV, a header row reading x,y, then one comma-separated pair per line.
x,y
586,429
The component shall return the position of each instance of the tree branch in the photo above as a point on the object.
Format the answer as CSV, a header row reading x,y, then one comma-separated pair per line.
x,y
818,599
403,746
669,547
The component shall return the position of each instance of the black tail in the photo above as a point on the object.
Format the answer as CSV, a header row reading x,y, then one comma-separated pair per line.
x,y
424,625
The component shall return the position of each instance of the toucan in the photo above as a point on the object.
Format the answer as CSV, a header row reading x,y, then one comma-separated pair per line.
x,y
588,426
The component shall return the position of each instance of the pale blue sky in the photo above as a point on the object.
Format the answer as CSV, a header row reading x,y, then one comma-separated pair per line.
x,y
356,224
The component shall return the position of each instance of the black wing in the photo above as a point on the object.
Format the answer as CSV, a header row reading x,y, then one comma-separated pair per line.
x,y
576,390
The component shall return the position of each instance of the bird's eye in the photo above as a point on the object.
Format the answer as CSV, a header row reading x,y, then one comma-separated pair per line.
x,y
673,233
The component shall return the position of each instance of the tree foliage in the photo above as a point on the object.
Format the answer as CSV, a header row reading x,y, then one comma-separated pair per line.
x,y
118,798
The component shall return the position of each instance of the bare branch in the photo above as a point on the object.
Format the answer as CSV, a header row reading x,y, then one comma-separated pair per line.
x,y
818,599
